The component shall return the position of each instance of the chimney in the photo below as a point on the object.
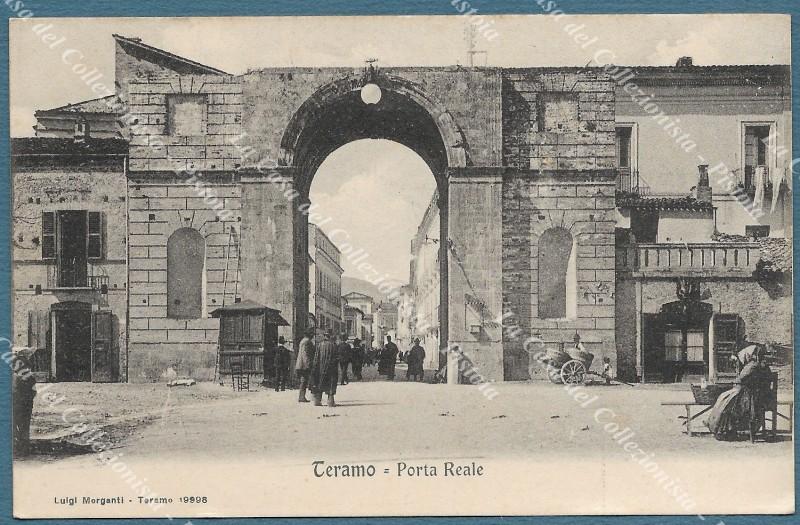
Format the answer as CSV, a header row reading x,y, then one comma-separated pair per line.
x,y
684,62
703,189
81,131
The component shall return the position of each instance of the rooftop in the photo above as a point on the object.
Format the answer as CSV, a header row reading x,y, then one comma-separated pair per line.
x,y
135,47
28,146
635,201
102,105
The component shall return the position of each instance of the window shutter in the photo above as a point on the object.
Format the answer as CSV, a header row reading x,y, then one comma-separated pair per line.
x,y
38,328
94,238
102,344
48,235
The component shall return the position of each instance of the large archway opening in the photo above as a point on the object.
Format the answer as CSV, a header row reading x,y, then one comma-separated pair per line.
x,y
336,119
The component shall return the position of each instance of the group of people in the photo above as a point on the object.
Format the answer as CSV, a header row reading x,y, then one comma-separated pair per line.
x,y
414,358
321,366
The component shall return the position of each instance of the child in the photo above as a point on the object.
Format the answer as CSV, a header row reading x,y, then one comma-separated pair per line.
x,y
608,372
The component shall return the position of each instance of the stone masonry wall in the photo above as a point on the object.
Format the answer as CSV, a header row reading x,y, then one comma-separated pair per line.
x,y
558,131
586,209
157,342
153,148
558,119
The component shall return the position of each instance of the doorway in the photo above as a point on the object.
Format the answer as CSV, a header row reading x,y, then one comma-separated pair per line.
x,y
72,329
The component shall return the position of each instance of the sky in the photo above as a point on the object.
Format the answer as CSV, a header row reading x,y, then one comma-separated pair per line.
x,y
382,187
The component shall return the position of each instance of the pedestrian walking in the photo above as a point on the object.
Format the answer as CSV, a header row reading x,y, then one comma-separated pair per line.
x,y
357,358
325,370
388,359
281,365
345,357
416,362
305,358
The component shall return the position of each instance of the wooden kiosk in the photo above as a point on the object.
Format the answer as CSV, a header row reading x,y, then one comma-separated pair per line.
x,y
246,330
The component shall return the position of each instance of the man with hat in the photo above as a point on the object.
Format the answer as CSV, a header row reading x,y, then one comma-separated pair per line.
x,y
281,365
325,370
345,356
357,358
305,357
416,362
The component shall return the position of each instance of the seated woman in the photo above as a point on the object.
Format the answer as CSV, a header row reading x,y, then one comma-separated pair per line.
x,y
742,407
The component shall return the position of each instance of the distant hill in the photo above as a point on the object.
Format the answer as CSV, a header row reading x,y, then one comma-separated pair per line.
x,y
353,284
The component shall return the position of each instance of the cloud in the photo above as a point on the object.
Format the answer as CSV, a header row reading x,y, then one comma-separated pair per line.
x,y
376,192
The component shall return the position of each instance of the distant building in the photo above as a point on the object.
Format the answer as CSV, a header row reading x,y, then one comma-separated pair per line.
x,y
405,317
354,323
385,322
325,279
366,304
95,118
425,279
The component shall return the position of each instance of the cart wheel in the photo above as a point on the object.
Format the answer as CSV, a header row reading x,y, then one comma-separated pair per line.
x,y
573,372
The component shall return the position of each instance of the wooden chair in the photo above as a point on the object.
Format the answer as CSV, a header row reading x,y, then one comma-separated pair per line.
x,y
772,406
239,379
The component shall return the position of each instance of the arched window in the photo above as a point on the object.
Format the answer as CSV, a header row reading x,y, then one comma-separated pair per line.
x,y
186,258
556,274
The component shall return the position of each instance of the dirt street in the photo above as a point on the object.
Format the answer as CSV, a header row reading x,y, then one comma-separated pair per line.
x,y
383,420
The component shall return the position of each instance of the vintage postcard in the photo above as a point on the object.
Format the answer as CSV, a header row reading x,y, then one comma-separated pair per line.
x,y
401,265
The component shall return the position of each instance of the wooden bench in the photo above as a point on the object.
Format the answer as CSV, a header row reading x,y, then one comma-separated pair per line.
x,y
689,417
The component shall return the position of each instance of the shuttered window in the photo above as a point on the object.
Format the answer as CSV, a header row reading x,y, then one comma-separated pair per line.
x,y
94,235
94,242
48,235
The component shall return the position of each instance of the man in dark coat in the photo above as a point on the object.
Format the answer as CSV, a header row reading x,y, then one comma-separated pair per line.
x,y
305,357
325,370
389,358
416,362
345,356
357,358
269,366
281,365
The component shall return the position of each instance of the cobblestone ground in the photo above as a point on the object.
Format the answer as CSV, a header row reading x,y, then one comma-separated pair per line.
x,y
377,419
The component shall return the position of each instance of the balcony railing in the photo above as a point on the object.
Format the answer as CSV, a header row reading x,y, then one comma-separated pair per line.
x,y
670,259
629,181
75,279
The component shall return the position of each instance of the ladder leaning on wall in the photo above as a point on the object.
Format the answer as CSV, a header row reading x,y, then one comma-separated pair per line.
x,y
230,249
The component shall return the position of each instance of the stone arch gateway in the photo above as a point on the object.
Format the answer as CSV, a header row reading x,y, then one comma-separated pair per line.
x,y
514,152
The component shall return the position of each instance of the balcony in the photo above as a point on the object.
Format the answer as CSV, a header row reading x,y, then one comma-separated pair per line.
x,y
712,259
629,181
88,279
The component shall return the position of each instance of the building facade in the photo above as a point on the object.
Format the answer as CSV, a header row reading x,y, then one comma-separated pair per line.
x,y
325,277
405,317
366,305
69,249
550,218
384,321
354,324
704,221
426,283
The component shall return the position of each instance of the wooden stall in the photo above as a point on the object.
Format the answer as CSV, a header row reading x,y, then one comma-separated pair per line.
x,y
246,330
